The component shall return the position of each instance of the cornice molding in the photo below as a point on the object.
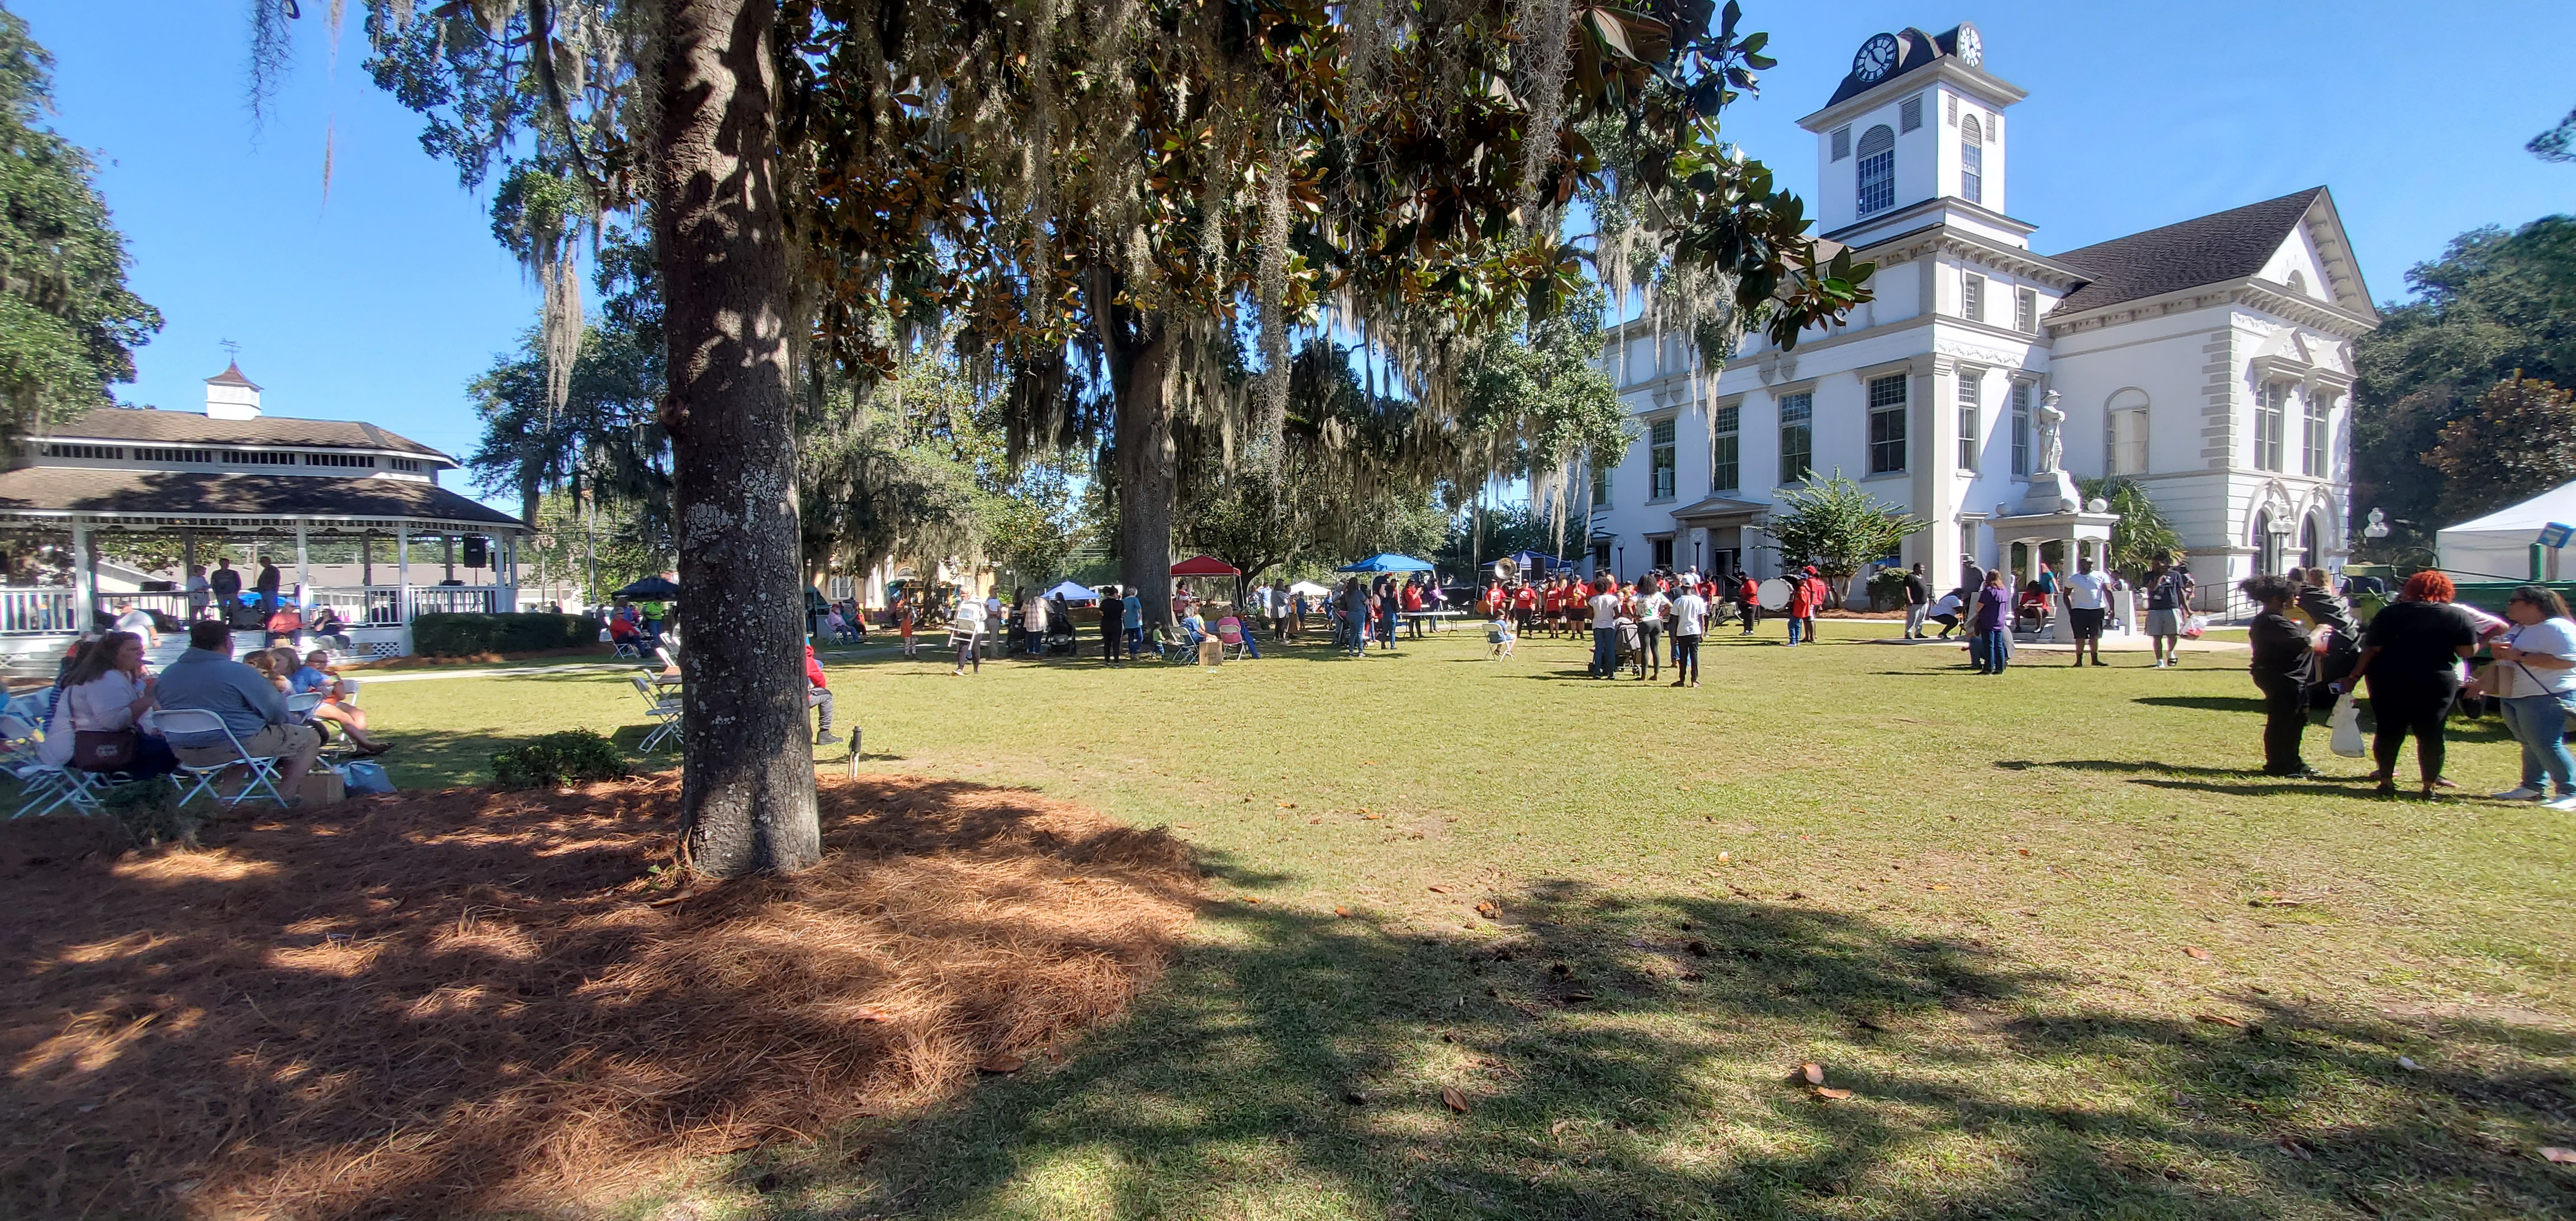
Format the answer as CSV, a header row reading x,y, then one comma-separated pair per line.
x,y
2248,292
1967,247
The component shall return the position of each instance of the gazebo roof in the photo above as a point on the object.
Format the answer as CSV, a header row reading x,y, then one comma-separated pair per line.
x,y
149,427
179,496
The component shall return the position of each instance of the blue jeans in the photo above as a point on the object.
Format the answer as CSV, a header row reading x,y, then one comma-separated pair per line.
x,y
1605,651
1794,621
2539,722
1998,648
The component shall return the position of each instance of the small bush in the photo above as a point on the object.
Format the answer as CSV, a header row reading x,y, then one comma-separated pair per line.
x,y
558,759
468,635
149,811
1887,588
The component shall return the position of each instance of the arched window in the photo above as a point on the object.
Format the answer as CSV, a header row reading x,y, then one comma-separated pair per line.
x,y
1876,191
2124,433
1972,160
2311,533
2267,543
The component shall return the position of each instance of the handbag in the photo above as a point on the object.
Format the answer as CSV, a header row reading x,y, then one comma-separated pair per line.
x,y
2347,727
104,750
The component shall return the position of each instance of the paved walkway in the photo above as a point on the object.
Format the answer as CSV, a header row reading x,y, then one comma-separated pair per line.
x,y
2110,644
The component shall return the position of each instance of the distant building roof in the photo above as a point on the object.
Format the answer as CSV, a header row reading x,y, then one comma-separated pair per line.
x,y
232,376
2212,249
136,424
97,490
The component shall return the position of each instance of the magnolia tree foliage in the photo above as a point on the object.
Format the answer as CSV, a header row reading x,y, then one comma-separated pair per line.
x,y
2518,443
68,324
1837,526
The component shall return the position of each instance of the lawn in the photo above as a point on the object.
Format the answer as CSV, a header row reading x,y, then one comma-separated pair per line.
x,y
1495,940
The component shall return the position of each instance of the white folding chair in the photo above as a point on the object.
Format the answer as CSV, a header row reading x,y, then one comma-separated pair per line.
x,y
260,770
47,787
663,708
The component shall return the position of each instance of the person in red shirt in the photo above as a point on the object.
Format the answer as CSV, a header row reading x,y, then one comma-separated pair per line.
x,y
1748,593
1412,603
1524,606
818,694
1495,604
1801,609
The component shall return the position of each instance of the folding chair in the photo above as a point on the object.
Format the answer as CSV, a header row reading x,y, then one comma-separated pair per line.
x,y
260,771
1229,634
663,708
1168,646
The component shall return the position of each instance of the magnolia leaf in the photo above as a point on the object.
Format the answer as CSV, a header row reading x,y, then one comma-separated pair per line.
x,y
1813,1073
2196,952
1003,1062
1452,1099
1836,1095
2564,1157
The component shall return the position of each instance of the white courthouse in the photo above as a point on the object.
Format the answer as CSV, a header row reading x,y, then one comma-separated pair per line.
x,y
2210,359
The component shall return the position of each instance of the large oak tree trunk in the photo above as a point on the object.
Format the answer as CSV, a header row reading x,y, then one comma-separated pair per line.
x,y
1143,445
747,786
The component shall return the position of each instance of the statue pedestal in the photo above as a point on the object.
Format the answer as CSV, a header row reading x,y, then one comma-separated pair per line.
x,y
2082,536
2050,492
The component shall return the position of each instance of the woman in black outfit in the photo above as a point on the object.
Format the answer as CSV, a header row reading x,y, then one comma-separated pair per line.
x,y
2410,656
2281,668
2328,610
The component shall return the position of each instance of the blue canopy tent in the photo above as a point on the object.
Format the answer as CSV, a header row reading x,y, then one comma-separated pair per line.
x,y
1071,592
1388,561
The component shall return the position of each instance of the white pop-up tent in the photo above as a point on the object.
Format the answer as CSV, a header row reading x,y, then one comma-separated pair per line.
x,y
2497,547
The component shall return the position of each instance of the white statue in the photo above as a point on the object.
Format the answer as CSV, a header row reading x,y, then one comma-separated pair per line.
x,y
2051,424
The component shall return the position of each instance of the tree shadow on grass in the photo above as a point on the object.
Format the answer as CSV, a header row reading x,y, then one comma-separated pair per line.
x,y
459,1004
1624,1058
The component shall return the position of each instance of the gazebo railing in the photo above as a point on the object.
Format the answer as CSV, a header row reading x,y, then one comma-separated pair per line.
x,y
39,610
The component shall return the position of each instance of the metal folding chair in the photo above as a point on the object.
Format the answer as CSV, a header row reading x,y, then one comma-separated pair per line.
x,y
47,787
1229,633
663,708
260,771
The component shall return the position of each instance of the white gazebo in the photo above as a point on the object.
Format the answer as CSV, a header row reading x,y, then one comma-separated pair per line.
x,y
232,474
2053,512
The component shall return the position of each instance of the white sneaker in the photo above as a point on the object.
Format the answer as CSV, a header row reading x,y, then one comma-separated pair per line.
x,y
2563,803
2520,792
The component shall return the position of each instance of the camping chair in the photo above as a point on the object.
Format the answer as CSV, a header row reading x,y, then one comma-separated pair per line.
x,y
664,709
1229,633
260,770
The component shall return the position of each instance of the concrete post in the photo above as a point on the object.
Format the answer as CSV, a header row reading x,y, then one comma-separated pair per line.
x,y
84,579
402,584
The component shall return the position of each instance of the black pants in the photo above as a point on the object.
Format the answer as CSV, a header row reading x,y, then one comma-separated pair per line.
x,y
1685,658
1110,639
2285,718
1649,651
2418,707
1752,617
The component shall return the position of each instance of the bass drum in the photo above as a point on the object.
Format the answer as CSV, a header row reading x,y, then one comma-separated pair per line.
x,y
1774,594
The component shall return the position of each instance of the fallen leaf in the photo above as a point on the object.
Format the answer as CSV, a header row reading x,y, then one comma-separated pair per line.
x,y
1577,998
1558,1129
868,1013
1054,1057
2408,1063
2220,1019
1343,912
1724,857
2023,851
2196,952
1452,1099
1004,1062
1252,898
2564,1157
1372,817
1439,890
1186,826
2295,1149
1489,911
1795,894
1940,888
1814,1073
1287,805
1830,1092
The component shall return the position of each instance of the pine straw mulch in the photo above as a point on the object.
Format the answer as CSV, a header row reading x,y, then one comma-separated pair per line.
x,y
434,1003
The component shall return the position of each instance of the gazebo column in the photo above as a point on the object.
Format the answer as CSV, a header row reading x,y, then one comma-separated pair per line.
x,y
402,584
84,578
303,579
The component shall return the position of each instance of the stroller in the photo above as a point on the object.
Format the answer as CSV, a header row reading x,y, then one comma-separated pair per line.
x,y
1059,631
1632,648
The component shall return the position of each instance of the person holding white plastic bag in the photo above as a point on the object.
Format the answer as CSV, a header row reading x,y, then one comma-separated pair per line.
x,y
2534,679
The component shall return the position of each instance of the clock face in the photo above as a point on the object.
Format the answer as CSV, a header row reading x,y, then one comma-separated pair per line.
x,y
1877,58
1972,49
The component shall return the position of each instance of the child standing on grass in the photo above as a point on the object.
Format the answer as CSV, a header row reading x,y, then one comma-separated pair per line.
x,y
903,616
1499,634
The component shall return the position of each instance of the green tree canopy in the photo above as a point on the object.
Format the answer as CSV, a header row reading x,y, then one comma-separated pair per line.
x,y
2495,303
1836,526
2142,530
2518,443
68,323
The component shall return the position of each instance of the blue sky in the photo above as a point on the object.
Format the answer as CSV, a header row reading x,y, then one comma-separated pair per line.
x,y
381,302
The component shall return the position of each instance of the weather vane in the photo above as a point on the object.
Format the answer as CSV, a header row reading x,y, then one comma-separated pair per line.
x,y
231,349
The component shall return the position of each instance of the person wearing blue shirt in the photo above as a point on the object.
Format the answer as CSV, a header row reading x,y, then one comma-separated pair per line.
x,y
206,678
1134,621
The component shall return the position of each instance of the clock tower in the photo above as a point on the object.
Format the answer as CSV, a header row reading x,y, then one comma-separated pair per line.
x,y
1914,135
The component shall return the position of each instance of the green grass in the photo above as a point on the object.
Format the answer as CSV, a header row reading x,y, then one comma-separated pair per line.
x,y
1969,899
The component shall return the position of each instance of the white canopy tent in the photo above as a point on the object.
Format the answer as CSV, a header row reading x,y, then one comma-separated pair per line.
x,y
2497,547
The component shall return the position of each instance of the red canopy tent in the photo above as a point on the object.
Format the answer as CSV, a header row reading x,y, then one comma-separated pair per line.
x,y
1205,566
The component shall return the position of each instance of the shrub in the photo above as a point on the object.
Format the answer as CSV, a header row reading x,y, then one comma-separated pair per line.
x,y
467,635
1887,588
149,811
557,759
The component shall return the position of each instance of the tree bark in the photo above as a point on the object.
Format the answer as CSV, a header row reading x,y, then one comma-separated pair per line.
x,y
1143,445
747,780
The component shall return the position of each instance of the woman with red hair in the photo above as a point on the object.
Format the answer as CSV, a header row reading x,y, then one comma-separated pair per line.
x,y
2410,658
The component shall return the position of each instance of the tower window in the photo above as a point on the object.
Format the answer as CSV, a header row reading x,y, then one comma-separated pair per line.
x,y
2026,311
1972,298
1875,177
1797,437
1887,424
1972,161
1909,113
1842,143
